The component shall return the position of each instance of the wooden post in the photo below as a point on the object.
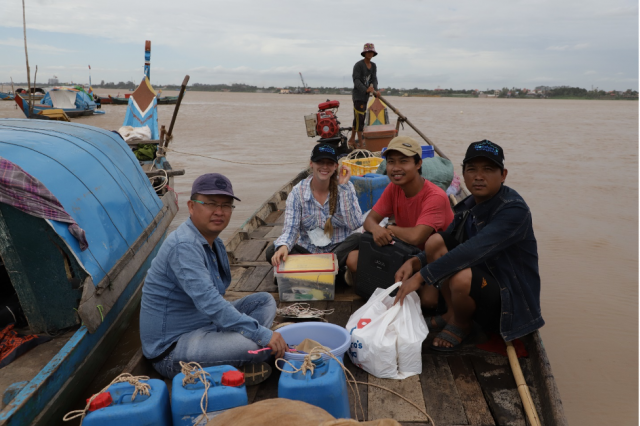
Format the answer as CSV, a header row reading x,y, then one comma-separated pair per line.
x,y
163,135
26,55
523,389
175,111
405,119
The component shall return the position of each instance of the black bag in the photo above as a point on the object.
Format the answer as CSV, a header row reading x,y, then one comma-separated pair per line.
x,y
377,266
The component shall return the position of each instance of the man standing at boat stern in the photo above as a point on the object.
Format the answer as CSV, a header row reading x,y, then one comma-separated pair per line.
x,y
485,265
184,316
365,81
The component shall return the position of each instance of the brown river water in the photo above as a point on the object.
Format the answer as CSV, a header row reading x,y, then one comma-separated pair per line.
x,y
574,162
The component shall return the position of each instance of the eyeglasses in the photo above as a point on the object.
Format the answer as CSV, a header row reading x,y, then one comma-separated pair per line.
x,y
226,208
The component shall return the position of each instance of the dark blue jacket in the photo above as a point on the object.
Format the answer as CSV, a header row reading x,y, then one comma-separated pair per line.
x,y
506,245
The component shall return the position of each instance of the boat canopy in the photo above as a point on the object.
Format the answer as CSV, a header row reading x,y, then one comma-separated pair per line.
x,y
95,177
67,98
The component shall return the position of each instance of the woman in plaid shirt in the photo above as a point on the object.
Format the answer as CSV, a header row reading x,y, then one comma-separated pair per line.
x,y
322,211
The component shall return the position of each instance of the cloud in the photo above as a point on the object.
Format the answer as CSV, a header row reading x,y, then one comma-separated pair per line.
x,y
14,42
421,43
579,46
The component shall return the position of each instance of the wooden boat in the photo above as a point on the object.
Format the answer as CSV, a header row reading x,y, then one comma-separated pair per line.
x,y
83,299
39,110
37,93
471,386
6,96
118,101
167,100
104,100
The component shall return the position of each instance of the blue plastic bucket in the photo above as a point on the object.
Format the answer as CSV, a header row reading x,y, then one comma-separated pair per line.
x,y
332,336
427,151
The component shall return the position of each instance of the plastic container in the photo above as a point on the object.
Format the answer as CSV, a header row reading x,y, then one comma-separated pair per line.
x,y
427,151
307,277
326,388
185,400
369,188
152,410
336,338
362,166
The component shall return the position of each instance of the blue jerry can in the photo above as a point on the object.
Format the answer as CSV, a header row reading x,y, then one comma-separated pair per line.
x,y
152,410
227,391
369,188
326,388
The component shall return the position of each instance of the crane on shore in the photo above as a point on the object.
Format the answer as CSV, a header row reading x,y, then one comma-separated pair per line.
x,y
305,88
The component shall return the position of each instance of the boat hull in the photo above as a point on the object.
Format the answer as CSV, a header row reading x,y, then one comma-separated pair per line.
x,y
62,380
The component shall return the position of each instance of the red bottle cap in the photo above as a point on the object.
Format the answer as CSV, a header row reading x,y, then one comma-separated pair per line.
x,y
102,400
232,378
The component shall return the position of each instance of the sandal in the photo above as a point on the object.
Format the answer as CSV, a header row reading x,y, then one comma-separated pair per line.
x,y
436,323
456,338
255,373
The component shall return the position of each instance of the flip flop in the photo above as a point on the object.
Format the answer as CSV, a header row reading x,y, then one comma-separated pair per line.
x,y
456,338
439,322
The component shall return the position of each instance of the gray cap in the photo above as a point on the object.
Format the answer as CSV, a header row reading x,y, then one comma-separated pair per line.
x,y
212,184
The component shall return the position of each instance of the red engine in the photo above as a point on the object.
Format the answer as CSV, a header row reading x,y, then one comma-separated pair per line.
x,y
328,105
328,125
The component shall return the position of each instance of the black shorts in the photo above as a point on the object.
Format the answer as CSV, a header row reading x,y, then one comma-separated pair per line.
x,y
359,108
485,291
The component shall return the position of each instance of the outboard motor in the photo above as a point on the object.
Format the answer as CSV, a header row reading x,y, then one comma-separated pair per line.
x,y
325,124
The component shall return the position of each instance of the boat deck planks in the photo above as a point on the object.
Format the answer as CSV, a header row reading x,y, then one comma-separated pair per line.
x,y
25,368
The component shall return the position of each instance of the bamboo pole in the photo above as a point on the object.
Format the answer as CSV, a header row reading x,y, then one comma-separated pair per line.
x,y
523,389
175,111
405,119
26,55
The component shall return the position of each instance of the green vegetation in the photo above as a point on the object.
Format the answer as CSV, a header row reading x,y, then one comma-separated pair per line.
x,y
557,92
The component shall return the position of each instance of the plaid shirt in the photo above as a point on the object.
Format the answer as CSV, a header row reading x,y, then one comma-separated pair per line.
x,y
304,213
26,193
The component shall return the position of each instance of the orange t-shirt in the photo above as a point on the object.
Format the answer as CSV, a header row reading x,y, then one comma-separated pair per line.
x,y
428,207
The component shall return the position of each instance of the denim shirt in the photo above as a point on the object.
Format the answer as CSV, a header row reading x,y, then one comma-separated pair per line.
x,y
506,245
184,290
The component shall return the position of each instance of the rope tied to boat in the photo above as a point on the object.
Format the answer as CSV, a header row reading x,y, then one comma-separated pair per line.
x,y
317,352
235,162
303,310
135,381
192,373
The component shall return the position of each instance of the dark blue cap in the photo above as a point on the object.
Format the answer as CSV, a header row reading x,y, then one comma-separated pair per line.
x,y
213,184
324,150
487,149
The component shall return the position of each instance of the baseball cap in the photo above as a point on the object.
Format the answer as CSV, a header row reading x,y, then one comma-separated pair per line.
x,y
404,144
212,184
322,151
487,149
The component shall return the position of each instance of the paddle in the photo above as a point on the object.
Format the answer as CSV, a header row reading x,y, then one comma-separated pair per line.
x,y
405,119
175,111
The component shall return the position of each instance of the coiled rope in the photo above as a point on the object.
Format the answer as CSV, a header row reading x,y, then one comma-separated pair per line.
x,y
192,373
308,365
135,381
303,310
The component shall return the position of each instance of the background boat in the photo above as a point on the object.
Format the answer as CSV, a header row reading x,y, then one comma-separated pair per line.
x,y
6,96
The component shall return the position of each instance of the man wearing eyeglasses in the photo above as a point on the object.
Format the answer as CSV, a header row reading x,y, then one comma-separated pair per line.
x,y
184,316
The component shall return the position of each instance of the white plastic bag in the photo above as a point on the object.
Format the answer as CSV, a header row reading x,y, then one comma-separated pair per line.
x,y
386,340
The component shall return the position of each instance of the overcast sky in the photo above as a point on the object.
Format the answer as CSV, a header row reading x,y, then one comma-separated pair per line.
x,y
460,44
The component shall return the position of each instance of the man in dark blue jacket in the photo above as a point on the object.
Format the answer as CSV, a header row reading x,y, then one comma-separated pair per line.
x,y
485,264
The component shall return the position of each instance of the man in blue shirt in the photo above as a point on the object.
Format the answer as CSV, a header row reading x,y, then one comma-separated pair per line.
x,y
485,265
184,316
